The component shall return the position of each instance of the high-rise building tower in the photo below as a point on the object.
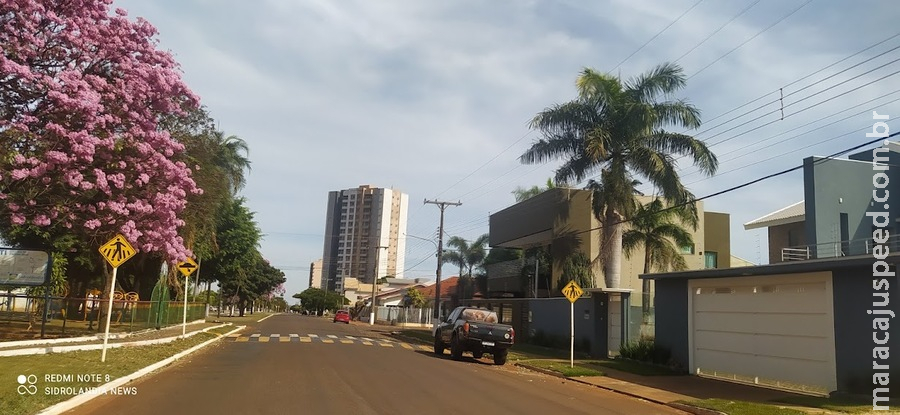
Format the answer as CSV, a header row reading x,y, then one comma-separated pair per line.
x,y
358,222
315,274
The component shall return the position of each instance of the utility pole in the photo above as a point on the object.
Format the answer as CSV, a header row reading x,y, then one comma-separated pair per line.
x,y
375,281
440,254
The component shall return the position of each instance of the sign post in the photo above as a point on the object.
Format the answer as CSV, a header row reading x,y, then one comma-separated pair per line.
x,y
116,252
187,268
572,291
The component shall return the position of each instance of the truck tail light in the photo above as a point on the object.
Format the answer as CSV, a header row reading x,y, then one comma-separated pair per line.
x,y
512,334
466,329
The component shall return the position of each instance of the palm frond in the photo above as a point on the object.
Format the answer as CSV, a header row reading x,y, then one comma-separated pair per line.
x,y
664,79
682,144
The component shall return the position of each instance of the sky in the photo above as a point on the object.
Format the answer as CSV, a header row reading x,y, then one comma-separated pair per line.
x,y
434,98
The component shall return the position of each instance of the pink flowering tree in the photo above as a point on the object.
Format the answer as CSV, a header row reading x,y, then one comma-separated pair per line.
x,y
82,92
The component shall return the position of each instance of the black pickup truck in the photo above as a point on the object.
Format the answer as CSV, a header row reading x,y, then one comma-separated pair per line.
x,y
476,330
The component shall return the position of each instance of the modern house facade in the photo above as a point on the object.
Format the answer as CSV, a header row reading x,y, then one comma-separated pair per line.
x,y
832,219
563,219
816,319
362,235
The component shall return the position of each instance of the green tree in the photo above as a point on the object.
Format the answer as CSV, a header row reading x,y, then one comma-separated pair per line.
x,y
617,127
654,228
414,298
577,267
319,300
235,262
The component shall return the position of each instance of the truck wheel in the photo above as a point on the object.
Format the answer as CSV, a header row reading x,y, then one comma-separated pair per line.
x,y
500,357
455,348
438,345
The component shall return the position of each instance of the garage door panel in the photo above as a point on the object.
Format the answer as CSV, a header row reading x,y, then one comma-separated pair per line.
x,y
775,330
785,303
769,368
793,347
764,323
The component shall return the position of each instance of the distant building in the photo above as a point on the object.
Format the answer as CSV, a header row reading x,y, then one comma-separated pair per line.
x,y
358,222
315,274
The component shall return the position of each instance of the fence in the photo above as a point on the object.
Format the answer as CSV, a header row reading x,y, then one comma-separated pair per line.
x,y
20,315
404,316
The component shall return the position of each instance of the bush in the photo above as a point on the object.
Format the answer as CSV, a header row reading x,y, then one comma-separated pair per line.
x,y
646,350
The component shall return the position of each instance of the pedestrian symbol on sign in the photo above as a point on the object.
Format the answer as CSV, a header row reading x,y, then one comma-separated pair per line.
x,y
572,291
117,251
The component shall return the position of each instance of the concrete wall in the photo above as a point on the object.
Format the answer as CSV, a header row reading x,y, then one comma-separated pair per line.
x,y
551,316
839,186
853,328
780,237
672,318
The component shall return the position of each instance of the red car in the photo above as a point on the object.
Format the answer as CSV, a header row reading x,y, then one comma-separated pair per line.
x,y
342,316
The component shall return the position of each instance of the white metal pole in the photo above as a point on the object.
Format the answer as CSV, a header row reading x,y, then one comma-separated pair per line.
x,y
572,336
112,290
184,318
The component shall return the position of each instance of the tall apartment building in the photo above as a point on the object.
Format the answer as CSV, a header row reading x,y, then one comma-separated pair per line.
x,y
315,274
358,222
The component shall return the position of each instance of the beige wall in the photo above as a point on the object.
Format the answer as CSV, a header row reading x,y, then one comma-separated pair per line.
x,y
778,239
717,237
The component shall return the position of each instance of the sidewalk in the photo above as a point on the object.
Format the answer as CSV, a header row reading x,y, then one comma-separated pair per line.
x,y
669,390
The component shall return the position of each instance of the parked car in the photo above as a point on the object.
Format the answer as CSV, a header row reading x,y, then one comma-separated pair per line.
x,y
342,316
476,330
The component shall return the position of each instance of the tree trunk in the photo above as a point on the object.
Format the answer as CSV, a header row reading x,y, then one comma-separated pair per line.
x,y
612,235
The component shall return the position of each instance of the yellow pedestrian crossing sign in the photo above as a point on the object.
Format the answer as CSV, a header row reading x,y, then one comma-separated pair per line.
x,y
117,250
187,267
572,291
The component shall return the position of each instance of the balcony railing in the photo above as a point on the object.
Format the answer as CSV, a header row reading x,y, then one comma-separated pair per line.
x,y
837,249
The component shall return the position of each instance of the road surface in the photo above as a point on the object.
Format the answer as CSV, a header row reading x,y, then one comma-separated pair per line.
x,y
314,366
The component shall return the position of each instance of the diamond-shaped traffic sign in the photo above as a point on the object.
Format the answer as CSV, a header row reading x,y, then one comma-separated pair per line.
x,y
187,267
117,250
572,291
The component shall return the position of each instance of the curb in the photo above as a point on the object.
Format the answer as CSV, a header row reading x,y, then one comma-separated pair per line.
x,y
66,349
19,343
680,406
81,399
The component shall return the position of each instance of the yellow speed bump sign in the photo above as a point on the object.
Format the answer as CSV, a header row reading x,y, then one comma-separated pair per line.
x,y
572,291
117,250
187,267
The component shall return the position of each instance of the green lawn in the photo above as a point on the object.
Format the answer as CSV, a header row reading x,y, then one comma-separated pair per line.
x,y
742,408
564,368
842,404
54,371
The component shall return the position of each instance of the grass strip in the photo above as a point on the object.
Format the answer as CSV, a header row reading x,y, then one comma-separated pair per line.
x,y
564,368
53,378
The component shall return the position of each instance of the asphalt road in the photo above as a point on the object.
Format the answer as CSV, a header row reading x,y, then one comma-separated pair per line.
x,y
337,372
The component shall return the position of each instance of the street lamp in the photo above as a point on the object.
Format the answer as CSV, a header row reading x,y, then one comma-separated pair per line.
x,y
375,281
437,283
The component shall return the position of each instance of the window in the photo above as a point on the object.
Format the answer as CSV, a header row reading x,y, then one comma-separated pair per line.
x,y
711,259
687,249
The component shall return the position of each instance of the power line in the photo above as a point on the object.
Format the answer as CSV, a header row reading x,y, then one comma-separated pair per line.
x,y
719,29
656,35
751,38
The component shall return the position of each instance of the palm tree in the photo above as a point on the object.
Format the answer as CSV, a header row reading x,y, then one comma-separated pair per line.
x,y
231,158
618,128
468,256
522,194
654,228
